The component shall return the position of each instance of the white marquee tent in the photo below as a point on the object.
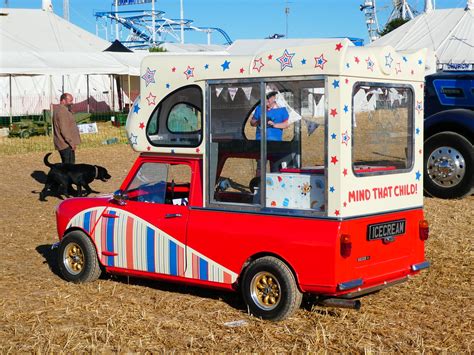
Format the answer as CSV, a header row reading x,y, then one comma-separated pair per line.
x,y
447,33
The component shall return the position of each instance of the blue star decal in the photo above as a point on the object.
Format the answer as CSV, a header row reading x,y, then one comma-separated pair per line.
x,y
172,151
335,83
149,76
225,65
206,66
405,59
388,60
167,85
136,108
303,61
417,131
348,65
420,61
418,175
333,136
132,139
285,60
332,189
346,108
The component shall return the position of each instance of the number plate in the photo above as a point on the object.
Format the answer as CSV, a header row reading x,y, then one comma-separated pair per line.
x,y
386,229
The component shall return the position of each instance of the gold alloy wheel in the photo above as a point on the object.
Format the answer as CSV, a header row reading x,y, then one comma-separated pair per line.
x,y
73,258
265,290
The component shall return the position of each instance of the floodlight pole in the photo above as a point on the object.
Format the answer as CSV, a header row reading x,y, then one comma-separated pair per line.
x,y
182,22
116,21
153,22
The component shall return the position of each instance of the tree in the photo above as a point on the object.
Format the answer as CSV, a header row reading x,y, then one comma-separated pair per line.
x,y
390,26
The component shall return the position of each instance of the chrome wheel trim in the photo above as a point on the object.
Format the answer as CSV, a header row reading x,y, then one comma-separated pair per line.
x,y
265,291
446,166
73,258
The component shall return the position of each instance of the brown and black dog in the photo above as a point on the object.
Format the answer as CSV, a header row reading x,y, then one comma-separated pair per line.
x,y
61,177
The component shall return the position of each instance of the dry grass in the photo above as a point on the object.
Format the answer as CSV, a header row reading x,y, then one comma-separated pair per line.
x,y
40,312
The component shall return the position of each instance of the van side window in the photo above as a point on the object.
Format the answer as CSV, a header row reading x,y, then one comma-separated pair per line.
x,y
382,129
177,120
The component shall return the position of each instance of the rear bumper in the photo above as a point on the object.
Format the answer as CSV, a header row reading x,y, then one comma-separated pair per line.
x,y
361,292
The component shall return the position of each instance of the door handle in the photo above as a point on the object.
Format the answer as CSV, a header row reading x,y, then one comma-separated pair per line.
x,y
173,215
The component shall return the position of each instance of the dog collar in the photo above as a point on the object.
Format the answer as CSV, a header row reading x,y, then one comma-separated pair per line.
x,y
96,172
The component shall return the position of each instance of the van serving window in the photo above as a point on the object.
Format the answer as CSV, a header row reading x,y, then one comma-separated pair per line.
x,y
177,120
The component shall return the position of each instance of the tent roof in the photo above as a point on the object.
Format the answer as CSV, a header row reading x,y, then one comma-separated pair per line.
x,y
449,33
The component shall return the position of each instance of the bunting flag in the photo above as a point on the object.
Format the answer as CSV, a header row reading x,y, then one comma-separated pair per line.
x,y
248,91
310,126
232,92
218,91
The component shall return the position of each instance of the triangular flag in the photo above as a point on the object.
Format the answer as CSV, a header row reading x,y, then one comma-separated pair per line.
x,y
248,91
232,92
311,126
218,91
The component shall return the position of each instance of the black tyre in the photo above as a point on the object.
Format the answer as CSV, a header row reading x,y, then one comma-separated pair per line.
x,y
448,169
25,134
269,289
77,258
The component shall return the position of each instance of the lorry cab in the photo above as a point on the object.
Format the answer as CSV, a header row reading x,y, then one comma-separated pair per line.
x,y
286,170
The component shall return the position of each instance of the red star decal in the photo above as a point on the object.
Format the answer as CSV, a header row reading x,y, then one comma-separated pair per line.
x,y
345,204
333,112
258,64
320,61
357,60
242,70
412,72
346,81
334,159
421,86
398,68
270,57
420,151
339,46
197,150
151,99
142,125
148,148
173,69
336,212
344,172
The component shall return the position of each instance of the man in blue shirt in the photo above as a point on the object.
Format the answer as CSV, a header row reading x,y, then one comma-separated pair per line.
x,y
277,121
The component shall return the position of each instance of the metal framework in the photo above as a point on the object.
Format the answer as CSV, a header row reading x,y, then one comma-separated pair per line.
x,y
150,28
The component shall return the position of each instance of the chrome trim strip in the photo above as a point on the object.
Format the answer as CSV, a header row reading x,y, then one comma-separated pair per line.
x,y
420,266
373,289
350,284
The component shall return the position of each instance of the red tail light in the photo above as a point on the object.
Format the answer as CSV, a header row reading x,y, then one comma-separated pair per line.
x,y
424,229
346,245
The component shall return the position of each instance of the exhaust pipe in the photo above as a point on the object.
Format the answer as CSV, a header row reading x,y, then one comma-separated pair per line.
x,y
341,303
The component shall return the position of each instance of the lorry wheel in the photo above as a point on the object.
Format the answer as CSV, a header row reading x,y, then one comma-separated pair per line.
x,y
448,170
269,289
77,258
25,134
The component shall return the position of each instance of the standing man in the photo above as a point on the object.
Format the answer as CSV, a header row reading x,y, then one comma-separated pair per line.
x,y
66,133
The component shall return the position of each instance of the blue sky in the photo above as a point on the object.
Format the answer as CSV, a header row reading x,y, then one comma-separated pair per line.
x,y
248,18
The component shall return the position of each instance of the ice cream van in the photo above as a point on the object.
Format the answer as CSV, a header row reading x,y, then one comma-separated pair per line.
x,y
277,169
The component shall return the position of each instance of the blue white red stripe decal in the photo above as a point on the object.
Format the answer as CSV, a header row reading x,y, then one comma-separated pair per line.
x,y
141,246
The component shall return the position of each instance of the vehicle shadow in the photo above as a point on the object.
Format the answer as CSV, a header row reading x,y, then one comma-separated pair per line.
x,y
50,257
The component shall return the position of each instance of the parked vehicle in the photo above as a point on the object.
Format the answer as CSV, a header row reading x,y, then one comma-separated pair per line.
x,y
449,134
336,213
36,125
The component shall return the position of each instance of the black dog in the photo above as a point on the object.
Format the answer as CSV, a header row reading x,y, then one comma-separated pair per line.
x,y
62,176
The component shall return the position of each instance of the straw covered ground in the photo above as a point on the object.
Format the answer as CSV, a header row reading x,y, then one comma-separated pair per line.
x,y
40,312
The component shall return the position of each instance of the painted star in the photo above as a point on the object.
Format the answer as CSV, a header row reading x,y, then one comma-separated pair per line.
x,y
357,60
167,85
270,57
405,59
412,72
344,172
345,204
333,112
370,64
419,106
348,65
149,76
242,70
320,61
417,131
345,138
332,189
334,159
303,61
285,60
206,66
346,108
398,68
336,212
226,65
420,151
189,72
338,47
132,139
335,83
334,136
136,108
151,99
346,81
148,148
141,125
258,64
418,175
420,62
197,150
388,60
173,69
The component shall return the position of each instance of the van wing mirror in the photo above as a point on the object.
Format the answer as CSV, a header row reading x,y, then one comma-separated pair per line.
x,y
120,197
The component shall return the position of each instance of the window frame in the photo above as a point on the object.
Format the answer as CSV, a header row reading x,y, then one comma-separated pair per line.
x,y
411,114
261,207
